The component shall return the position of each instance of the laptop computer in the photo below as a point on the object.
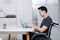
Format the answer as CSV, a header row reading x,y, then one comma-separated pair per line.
x,y
23,24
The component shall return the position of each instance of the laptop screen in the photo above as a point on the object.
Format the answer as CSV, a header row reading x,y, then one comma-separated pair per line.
x,y
23,23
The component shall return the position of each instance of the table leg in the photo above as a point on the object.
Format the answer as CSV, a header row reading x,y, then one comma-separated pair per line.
x,y
27,36
9,36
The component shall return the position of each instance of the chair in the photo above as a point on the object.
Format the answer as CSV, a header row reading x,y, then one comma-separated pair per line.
x,y
43,36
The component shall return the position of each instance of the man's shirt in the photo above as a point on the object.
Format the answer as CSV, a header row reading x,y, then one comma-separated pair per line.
x,y
46,22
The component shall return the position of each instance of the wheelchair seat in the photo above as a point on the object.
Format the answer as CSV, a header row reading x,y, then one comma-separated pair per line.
x,y
43,36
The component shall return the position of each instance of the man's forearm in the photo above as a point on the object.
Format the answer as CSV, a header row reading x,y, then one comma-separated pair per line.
x,y
44,28
38,28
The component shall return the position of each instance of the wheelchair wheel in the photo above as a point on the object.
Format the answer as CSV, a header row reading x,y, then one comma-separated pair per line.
x,y
40,37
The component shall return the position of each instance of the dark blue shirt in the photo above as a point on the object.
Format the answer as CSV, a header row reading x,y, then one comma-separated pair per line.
x,y
46,22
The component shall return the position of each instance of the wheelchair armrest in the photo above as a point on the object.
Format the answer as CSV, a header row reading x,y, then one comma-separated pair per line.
x,y
40,34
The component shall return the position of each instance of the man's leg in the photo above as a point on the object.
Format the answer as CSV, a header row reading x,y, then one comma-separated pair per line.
x,y
31,34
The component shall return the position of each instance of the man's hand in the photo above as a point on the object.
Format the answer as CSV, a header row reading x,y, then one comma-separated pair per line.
x,y
30,25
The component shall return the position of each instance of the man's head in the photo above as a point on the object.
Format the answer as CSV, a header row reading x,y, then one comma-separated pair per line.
x,y
42,11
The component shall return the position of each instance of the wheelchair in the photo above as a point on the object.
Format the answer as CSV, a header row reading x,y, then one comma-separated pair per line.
x,y
43,36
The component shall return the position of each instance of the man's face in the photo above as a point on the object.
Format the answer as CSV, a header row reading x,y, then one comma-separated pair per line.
x,y
42,13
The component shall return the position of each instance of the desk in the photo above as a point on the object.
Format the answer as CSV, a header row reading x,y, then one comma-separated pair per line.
x,y
17,31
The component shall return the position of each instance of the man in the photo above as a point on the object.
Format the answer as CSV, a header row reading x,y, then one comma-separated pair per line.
x,y
46,22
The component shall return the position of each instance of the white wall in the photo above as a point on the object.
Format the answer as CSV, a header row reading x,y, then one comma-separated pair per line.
x,y
8,7
23,11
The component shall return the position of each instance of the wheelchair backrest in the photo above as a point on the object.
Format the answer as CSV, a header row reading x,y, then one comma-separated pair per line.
x,y
50,28
49,31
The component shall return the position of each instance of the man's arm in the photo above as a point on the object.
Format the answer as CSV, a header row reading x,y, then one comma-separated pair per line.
x,y
44,28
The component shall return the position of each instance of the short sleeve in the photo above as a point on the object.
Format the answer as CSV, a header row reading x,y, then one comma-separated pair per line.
x,y
48,22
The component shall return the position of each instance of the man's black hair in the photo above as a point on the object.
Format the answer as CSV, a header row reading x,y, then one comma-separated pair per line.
x,y
43,8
